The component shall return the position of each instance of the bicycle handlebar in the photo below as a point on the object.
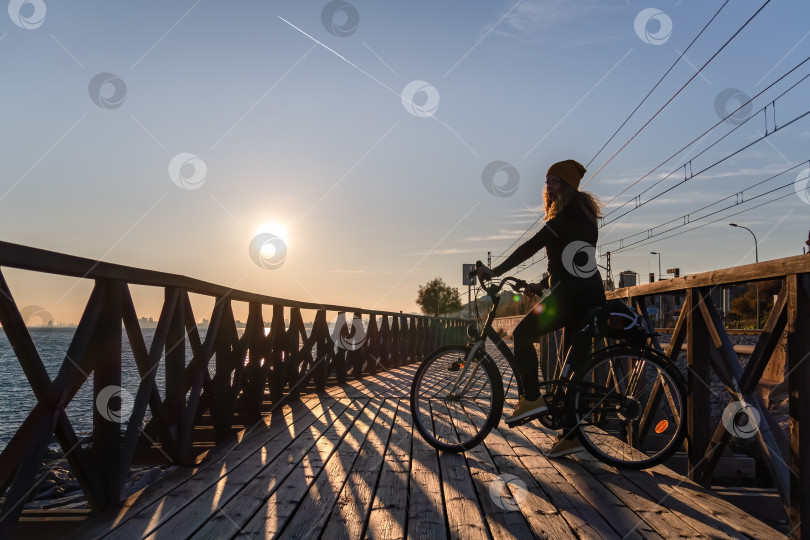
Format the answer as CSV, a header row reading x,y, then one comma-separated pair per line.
x,y
518,285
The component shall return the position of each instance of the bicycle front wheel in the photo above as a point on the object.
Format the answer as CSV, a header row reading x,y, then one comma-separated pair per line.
x,y
455,402
630,405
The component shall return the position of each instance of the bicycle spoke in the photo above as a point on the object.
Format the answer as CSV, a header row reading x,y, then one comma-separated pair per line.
x,y
632,412
444,385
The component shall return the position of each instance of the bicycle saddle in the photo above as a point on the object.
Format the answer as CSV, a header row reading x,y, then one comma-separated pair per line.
x,y
616,320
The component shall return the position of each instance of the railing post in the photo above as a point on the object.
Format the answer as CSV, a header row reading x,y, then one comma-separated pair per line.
x,y
339,359
254,389
354,357
175,377
339,364
276,369
420,338
412,340
442,332
798,357
293,354
371,350
385,342
699,432
105,353
219,402
395,341
324,348
404,333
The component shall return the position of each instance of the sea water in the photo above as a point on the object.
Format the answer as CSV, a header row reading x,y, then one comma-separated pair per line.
x,y
17,398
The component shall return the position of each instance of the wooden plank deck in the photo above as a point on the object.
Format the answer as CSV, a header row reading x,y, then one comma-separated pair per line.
x,y
346,463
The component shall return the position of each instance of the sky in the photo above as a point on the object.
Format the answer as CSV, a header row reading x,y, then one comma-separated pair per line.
x,y
347,152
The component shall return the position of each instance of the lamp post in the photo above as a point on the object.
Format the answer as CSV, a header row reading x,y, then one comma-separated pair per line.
x,y
756,251
659,263
756,259
660,298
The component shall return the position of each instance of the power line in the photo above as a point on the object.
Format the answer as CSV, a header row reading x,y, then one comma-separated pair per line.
x,y
687,219
656,84
676,93
729,156
702,135
637,245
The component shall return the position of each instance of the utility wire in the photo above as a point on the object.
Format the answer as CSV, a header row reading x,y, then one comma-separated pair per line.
x,y
656,84
687,219
676,93
686,216
729,156
702,135
638,245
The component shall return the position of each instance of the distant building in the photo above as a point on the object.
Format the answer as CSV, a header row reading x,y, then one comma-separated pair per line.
x,y
628,278
147,322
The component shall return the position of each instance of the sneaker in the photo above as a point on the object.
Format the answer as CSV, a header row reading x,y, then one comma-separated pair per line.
x,y
564,446
527,409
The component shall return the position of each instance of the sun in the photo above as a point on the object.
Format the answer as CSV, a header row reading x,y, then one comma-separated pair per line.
x,y
275,228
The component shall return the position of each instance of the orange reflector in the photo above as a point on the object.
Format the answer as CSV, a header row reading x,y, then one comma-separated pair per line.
x,y
661,426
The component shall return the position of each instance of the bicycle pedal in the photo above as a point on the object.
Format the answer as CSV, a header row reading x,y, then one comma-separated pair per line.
x,y
520,422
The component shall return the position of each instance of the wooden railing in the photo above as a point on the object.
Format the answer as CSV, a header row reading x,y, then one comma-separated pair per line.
x,y
252,372
709,351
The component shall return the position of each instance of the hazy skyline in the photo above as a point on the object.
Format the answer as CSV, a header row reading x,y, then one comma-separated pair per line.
x,y
168,136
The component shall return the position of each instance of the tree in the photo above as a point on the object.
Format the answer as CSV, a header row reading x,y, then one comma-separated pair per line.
x,y
437,297
744,301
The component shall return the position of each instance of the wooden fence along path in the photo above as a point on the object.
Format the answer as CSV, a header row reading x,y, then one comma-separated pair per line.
x,y
710,353
230,381
347,463
329,449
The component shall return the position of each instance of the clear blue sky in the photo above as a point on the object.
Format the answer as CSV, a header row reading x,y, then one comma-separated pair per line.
x,y
304,131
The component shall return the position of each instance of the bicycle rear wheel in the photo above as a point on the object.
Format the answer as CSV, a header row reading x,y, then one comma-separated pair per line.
x,y
455,403
630,406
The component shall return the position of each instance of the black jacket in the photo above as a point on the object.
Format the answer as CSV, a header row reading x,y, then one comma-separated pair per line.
x,y
570,242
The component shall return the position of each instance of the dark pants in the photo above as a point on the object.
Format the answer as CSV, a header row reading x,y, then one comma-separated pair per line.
x,y
563,308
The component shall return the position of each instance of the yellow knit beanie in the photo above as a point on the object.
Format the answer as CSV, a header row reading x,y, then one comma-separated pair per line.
x,y
569,170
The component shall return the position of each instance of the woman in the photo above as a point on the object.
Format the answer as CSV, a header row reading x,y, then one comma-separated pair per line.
x,y
569,236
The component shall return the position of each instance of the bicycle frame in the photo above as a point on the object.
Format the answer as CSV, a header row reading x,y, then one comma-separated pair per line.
x,y
488,332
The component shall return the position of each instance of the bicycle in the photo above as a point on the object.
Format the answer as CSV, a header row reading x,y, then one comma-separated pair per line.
x,y
627,404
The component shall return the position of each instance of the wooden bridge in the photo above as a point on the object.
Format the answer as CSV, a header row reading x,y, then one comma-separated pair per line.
x,y
346,463
301,435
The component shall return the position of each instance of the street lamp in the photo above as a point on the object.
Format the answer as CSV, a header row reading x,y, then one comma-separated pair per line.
x,y
756,259
756,251
659,263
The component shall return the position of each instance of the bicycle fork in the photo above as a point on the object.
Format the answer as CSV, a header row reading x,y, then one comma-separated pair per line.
x,y
468,361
